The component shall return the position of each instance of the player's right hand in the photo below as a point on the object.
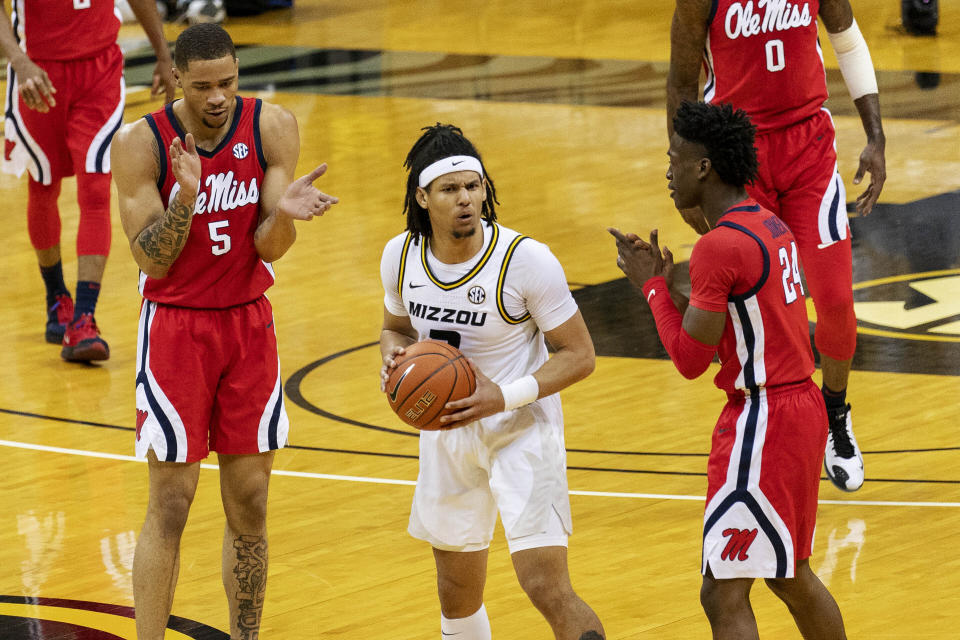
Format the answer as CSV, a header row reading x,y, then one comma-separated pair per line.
x,y
486,400
185,163
36,89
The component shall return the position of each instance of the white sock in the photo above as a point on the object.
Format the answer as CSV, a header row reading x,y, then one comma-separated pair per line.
x,y
474,627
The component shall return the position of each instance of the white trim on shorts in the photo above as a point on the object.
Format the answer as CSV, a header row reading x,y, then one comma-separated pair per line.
x,y
26,153
162,424
740,508
832,222
98,153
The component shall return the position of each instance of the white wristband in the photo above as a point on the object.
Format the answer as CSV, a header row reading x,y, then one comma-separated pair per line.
x,y
519,392
856,66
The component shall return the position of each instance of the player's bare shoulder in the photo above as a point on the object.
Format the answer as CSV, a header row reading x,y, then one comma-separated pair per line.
x,y
135,151
278,131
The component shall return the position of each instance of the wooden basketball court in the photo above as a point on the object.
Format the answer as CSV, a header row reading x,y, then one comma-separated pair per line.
x,y
566,103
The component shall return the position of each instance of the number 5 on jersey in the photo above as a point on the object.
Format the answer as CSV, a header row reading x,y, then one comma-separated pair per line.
x,y
221,241
791,273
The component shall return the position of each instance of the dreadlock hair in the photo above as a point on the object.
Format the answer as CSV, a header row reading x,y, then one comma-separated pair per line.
x,y
438,142
727,135
205,41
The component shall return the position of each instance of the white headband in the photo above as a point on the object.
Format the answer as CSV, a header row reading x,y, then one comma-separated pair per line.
x,y
449,165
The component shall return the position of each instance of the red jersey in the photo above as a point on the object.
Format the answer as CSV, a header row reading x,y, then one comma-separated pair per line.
x,y
65,29
763,56
748,267
219,265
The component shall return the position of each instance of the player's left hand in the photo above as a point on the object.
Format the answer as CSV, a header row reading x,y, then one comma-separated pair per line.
x,y
163,80
871,161
303,201
485,401
641,260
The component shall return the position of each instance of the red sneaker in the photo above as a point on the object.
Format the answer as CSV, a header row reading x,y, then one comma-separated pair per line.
x,y
58,317
82,341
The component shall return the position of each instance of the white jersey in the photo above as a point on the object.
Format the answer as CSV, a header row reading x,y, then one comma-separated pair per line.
x,y
494,307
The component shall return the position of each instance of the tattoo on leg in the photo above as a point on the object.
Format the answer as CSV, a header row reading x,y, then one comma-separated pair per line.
x,y
591,635
251,573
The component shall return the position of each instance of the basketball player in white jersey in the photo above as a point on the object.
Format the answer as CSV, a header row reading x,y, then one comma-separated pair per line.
x,y
458,276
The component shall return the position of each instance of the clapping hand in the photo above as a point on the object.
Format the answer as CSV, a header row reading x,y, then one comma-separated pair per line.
x,y
640,260
185,163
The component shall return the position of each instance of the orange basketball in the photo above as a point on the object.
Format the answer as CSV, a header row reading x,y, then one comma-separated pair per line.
x,y
428,376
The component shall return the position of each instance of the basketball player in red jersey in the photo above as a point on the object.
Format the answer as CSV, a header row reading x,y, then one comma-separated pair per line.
x,y
764,57
64,103
746,303
207,199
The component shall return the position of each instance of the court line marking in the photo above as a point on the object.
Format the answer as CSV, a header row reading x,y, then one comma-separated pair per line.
x,y
329,476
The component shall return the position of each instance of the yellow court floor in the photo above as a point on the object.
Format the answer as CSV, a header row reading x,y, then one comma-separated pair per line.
x,y
566,102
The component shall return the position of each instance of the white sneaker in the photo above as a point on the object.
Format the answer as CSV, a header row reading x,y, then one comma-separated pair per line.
x,y
200,11
842,460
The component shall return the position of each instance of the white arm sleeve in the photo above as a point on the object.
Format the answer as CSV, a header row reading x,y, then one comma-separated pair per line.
x,y
855,62
535,283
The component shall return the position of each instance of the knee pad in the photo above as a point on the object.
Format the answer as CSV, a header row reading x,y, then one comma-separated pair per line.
x,y
43,216
93,231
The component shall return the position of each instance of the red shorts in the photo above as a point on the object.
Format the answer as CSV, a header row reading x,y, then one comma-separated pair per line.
x,y
763,481
74,136
208,380
798,181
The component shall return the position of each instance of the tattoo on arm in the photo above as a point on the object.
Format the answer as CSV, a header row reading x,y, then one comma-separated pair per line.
x,y
157,160
251,573
163,240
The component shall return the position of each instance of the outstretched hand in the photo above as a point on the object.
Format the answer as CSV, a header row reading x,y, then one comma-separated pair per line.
x,y
486,400
640,260
303,201
185,164
871,161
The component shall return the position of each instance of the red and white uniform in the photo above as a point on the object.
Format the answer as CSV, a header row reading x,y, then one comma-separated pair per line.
x,y
768,444
74,41
208,375
219,266
763,56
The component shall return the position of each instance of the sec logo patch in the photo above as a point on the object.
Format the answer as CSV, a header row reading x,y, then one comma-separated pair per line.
x,y
476,295
240,151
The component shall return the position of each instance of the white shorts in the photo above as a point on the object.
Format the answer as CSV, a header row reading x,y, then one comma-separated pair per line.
x,y
513,463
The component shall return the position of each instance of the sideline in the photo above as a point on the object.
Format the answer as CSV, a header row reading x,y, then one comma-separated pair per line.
x,y
341,478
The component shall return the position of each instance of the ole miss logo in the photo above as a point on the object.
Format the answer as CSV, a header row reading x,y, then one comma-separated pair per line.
x,y
739,543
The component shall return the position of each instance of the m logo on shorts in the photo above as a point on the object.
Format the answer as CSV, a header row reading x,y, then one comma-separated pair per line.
x,y
739,543
240,151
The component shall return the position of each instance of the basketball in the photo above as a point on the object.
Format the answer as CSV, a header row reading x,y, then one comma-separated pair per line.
x,y
428,376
